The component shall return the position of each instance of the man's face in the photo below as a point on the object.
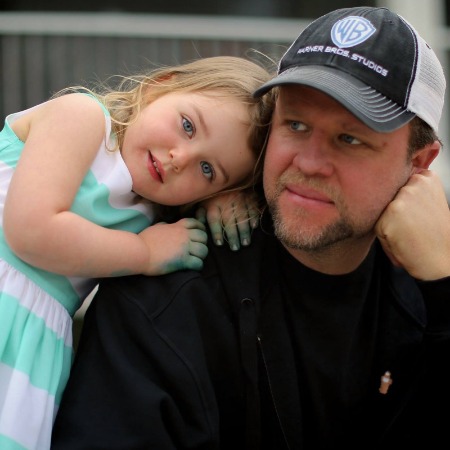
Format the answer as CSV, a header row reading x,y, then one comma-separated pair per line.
x,y
327,176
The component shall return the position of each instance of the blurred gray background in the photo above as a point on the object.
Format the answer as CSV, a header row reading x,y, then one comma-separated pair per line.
x,y
46,45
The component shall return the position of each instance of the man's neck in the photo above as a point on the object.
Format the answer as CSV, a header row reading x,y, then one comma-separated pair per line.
x,y
338,259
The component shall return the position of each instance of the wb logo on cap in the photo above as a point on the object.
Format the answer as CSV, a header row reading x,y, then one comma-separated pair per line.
x,y
351,31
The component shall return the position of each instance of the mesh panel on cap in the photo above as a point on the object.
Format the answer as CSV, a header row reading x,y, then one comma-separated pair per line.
x,y
428,89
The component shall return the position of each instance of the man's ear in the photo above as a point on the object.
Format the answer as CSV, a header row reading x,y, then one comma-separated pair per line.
x,y
424,157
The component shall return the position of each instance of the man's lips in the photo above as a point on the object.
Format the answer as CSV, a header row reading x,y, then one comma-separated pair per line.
x,y
308,195
155,168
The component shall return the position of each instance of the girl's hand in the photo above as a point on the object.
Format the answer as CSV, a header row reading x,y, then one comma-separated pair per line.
x,y
231,216
176,246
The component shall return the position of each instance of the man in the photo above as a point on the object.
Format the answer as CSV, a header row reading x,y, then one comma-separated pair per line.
x,y
333,328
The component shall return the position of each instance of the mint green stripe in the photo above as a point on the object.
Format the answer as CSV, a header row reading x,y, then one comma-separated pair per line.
x,y
58,286
10,146
92,203
8,444
30,347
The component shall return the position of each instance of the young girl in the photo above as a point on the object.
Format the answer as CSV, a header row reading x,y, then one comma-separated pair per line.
x,y
79,176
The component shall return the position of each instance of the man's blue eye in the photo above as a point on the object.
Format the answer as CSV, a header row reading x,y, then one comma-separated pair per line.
x,y
188,126
297,126
349,139
207,169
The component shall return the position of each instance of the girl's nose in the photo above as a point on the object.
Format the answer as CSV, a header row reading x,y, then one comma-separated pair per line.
x,y
179,158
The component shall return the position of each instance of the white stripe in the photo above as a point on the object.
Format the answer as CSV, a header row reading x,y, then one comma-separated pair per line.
x,y
110,169
26,412
5,178
32,297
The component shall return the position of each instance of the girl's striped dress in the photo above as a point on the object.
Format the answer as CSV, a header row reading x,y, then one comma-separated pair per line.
x,y
36,307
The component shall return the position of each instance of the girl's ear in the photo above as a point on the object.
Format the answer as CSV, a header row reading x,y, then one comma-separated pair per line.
x,y
424,157
163,78
151,91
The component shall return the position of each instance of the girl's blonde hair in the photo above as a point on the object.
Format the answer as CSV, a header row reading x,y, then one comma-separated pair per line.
x,y
226,76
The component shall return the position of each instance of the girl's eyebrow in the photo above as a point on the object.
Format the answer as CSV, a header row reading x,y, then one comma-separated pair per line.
x,y
201,119
224,172
219,166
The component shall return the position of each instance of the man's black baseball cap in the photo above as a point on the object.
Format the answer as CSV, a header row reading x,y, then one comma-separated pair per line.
x,y
370,60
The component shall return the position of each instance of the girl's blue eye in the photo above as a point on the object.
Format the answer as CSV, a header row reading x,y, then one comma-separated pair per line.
x,y
207,169
188,127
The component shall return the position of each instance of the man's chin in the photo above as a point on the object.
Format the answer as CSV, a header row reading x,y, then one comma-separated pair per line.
x,y
301,234
295,235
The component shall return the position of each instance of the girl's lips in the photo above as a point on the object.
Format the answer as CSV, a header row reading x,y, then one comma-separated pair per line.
x,y
155,168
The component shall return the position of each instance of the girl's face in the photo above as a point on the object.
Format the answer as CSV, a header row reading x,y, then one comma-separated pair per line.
x,y
184,147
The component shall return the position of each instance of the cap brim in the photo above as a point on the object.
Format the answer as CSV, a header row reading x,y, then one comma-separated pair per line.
x,y
367,104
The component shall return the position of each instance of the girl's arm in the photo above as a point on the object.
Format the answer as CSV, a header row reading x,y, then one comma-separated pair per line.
x,y
62,138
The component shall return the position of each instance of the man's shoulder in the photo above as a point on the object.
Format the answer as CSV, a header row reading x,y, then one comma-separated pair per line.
x,y
149,293
225,272
247,262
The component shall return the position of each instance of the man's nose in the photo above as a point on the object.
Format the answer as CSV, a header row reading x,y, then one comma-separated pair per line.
x,y
314,156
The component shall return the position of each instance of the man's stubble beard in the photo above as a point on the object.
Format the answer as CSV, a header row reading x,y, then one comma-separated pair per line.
x,y
298,239
312,239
